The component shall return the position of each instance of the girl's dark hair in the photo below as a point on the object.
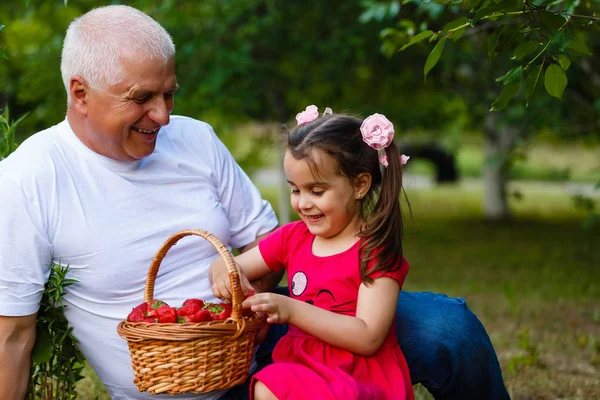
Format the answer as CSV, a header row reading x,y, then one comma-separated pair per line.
x,y
339,136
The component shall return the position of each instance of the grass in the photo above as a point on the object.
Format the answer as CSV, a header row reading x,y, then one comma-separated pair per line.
x,y
533,282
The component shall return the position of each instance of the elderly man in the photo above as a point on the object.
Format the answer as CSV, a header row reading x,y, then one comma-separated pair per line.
x,y
103,189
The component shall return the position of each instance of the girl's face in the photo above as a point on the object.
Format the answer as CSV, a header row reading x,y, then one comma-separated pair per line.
x,y
327,202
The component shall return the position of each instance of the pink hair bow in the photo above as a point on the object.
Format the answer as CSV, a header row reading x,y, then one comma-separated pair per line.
x,y
310,114
378,132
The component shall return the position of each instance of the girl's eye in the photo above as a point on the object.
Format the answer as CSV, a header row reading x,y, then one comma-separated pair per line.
x,y
295,191
318,192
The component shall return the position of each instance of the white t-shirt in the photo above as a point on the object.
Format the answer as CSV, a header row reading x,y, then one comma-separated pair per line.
x,y
62,202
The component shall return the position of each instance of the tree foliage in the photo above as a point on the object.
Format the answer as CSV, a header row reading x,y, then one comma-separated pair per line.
x,y
537,40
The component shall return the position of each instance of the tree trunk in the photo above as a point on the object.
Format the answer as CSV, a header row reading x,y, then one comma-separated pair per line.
x,y
497,146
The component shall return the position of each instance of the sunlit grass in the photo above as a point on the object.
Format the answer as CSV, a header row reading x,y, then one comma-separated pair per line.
x,y
542,162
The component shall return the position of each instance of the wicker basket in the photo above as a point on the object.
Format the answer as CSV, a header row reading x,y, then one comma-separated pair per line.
x,y
191,357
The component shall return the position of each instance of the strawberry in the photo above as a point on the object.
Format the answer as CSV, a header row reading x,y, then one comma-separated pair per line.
x,y
162,312
219,312
184,319
202,315
138,314
190,307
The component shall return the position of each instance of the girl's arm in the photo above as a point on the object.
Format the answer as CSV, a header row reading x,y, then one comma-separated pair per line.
x,y
363,334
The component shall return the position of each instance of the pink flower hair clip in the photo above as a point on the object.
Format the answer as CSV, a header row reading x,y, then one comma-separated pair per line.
x,y
310,114
378,132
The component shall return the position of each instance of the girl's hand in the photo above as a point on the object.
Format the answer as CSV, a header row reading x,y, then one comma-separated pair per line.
x,y
221,286
278,308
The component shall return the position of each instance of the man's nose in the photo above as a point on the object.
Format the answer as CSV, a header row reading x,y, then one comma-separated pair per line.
x,y
160,111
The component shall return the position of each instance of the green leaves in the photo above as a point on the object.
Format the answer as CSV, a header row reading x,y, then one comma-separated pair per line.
x,y
579,48
56,359
434,56
456,28
417,38
531,83
525,48
563,60
493,42
509,91
512,76
8,143
555,81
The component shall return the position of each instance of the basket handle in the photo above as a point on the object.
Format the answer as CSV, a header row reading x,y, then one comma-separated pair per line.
x,y
234,278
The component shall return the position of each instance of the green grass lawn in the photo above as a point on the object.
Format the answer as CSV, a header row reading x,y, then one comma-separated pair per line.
x,y
534,283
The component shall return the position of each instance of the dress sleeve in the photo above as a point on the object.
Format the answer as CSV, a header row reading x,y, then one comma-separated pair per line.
x,y
248,214
25,252
399,275
273,248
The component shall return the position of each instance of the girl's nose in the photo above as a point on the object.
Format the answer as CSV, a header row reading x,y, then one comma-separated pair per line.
x,y
304,203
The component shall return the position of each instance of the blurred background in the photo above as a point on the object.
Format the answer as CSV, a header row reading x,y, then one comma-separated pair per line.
x,y
501,207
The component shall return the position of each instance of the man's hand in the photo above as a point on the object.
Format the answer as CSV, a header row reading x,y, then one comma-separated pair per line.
x,y
221,285
17,336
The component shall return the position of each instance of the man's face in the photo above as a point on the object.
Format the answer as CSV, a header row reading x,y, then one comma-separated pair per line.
x,y
123,121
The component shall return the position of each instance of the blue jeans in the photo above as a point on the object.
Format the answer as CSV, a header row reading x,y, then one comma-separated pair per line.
x,y
446,347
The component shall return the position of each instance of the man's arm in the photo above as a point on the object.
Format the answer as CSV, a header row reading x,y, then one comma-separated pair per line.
x,y
17,335
268,282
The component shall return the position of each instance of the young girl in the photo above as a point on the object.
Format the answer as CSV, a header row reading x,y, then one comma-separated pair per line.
x,y
344,264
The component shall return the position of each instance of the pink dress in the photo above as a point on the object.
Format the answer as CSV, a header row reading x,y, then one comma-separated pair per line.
x,y
307,368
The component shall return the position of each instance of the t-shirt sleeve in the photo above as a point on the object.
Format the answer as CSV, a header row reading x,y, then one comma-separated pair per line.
x,y
273,248
399,274
248,214
25,253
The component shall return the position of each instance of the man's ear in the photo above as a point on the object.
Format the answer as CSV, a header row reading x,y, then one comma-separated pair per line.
x,y
362,184
79,92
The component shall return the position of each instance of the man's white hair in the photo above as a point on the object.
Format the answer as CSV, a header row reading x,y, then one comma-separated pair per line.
x,y
97,42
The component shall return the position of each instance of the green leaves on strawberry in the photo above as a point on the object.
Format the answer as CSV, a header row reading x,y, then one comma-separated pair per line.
x,y
184,319
162,312
219,312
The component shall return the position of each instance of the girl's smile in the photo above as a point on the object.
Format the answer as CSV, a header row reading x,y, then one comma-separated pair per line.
x,y
325,200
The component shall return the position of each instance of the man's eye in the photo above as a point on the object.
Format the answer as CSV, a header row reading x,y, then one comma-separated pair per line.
x,y
169,96
142,100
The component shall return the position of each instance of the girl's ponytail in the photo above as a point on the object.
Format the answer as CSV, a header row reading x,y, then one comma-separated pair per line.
x,y
383,229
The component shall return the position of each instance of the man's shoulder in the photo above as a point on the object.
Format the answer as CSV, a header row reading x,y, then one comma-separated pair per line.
x,y
184,126
36,154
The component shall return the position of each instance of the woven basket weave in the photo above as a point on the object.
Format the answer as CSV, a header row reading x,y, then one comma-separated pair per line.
x,y
191,357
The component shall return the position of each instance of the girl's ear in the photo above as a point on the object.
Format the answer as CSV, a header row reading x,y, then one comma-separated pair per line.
x,y
362,184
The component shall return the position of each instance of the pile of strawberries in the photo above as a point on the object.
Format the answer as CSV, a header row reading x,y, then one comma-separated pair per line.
x,y
192,310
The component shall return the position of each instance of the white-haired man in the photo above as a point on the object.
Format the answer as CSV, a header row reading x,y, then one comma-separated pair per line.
x,y
103,189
